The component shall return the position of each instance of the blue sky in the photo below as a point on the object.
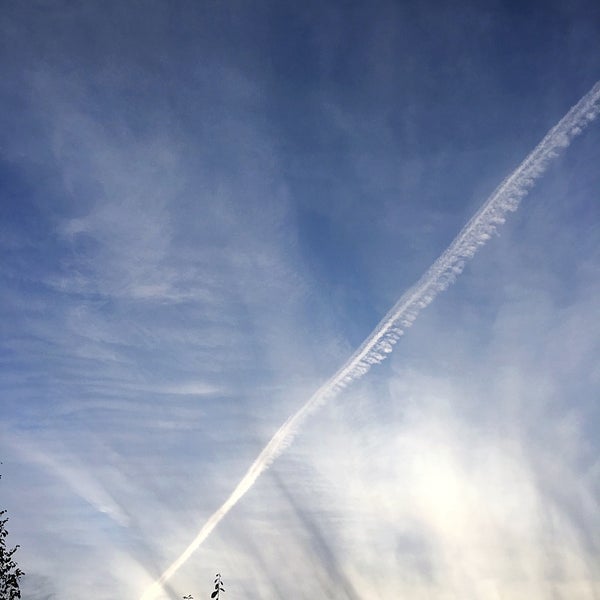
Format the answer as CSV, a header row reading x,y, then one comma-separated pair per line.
x,y
206,207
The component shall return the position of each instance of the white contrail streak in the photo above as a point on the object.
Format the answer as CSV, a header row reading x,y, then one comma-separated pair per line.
x,y
438,277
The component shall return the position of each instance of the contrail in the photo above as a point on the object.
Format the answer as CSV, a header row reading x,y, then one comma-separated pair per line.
x,y
436,279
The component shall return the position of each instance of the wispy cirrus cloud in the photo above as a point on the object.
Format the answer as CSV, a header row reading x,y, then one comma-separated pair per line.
x,y
435,280
204,210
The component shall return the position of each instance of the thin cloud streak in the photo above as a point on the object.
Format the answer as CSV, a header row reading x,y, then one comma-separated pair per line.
x,y
67,469
436,279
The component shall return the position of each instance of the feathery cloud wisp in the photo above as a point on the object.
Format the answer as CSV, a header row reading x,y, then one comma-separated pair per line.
x,y
436,279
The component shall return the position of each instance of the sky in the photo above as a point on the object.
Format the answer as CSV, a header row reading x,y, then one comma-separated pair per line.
x,y
206,208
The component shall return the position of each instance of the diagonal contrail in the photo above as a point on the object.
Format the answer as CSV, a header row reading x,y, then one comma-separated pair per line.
x,y
436,279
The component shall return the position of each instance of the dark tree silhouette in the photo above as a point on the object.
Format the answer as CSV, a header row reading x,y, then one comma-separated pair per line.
x,y
9,572
218,587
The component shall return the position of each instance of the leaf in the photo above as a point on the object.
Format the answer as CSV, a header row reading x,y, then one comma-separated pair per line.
x,y
214,594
